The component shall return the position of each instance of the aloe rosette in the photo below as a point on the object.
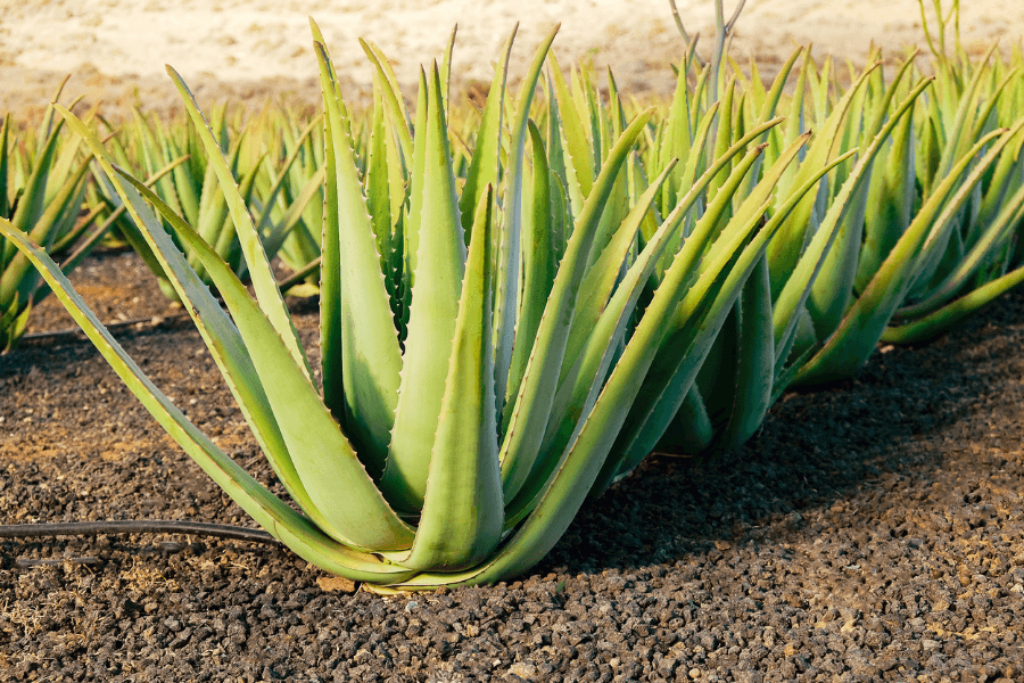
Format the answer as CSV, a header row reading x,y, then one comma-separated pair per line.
x,y
426,460
878,252
770,332
978,258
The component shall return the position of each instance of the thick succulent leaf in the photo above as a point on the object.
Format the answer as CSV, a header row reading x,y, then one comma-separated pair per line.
x,y
483,169
508,276
445,68
539,266
601,278
463,510
5,208
688,338
592,306
1008,173
349,506
392,92
755,355
226,241
371,360
690,431
440,266
376,186
578,143
415,216
283,175
269,511
959,133
331,359
951,314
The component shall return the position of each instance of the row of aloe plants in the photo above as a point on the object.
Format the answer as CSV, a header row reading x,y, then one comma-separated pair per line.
x,y
518,305
50,187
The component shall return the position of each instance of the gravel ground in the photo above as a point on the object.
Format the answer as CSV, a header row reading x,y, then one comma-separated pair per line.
x,y
873,530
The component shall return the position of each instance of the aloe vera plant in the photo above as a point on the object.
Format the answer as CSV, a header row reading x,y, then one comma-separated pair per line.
x,y
772,317
426,460
978,258
914,265
828,298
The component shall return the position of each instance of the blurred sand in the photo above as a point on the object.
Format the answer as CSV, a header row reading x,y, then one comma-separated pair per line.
x,y
253,50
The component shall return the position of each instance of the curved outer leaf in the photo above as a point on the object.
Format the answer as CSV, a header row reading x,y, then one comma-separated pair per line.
x,y
270,298
344,498
226,344
944,319
270,512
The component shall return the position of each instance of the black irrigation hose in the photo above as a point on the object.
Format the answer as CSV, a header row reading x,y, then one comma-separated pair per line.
x,y
145,526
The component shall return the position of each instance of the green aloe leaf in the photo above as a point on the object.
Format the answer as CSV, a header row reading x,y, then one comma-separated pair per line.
x,y
361,359
463,510
270,512
440,268
508,278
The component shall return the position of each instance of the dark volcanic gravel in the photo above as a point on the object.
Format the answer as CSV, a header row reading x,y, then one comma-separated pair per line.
x,y
873,530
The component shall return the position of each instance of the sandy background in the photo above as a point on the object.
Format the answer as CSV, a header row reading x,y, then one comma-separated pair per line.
x,y
258,49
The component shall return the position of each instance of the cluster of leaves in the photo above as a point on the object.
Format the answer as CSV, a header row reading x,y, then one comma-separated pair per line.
x,y
518,304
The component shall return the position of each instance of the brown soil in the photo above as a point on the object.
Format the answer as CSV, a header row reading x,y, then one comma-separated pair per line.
x,y
873,530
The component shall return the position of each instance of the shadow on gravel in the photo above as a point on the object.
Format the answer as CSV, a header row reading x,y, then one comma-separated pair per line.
x,y
890,427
